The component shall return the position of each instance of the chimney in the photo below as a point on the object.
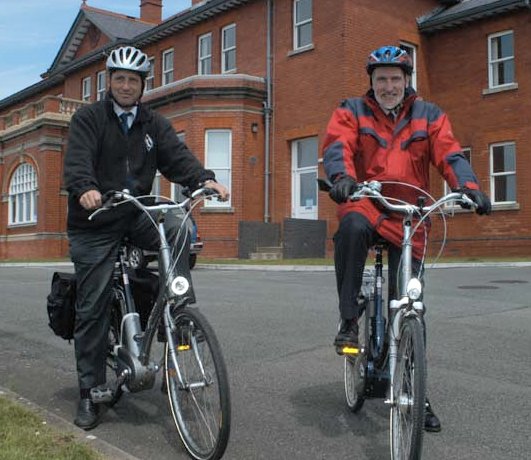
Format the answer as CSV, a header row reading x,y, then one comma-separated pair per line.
x,y
151,11
195,2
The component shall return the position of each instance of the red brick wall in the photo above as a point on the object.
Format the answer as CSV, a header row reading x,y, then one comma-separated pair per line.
x,y
307,87
479,120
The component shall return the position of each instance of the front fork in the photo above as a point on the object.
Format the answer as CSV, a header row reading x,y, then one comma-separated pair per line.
x,y
173,349
399,310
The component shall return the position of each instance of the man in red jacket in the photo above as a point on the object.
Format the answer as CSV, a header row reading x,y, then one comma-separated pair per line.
x,y
389,135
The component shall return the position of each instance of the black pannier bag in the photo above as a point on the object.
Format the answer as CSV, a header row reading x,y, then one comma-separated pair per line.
x,y
62,305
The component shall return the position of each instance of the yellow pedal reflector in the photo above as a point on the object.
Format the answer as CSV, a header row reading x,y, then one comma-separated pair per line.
x,y
350,350
183,347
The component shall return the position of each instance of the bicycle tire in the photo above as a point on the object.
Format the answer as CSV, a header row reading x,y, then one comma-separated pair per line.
x,y
201,406
355,369
114,338
408,412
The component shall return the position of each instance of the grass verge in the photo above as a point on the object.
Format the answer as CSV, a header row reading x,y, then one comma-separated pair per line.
x,y
25,435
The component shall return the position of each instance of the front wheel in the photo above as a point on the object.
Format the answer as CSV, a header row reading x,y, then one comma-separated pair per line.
x,y
409,390
198,386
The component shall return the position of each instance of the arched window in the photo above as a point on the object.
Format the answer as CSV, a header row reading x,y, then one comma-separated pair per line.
x,y
23,195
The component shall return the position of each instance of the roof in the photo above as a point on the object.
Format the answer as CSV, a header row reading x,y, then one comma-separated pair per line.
x,y
120,29
466,11
115,26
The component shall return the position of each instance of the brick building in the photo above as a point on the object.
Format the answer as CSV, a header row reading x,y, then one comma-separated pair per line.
x,y
250,86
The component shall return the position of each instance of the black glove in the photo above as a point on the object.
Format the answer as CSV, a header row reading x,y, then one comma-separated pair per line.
x,y
342,189
478,197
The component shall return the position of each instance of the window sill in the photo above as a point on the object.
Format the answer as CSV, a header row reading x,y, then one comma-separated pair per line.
x,y
220,210
301,50
505,206
495,207
22,224
500,89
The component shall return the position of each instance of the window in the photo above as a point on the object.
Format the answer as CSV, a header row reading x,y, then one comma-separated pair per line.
x,y
503,172
218,152
412,51
467,153
228,49
204,66
302,23
85,89
167,67
23,195
501,59
304,154
150,79
100,86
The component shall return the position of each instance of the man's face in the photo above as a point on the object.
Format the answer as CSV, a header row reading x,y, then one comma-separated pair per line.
x,y
389,84
126,87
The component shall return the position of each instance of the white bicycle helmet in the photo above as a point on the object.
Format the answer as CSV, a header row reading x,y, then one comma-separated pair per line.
x,y
128,58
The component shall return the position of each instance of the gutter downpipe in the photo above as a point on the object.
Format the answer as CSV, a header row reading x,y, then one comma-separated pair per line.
x,y
267,113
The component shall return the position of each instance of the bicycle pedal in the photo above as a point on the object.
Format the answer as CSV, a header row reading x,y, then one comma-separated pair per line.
x,y
101,395
346,350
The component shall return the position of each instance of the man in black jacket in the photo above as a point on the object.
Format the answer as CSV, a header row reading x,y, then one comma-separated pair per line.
x,y
116,144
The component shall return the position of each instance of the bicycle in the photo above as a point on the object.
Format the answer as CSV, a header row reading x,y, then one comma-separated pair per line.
x,y
390,361
195,377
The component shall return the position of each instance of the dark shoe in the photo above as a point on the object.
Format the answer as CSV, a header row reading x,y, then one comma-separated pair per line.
x,y
347,337
431,422
87,414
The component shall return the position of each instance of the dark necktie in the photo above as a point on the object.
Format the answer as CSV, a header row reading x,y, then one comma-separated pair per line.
x,y
124,121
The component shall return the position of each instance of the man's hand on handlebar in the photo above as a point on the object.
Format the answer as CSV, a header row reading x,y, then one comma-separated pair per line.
x,y
483,205
342,188
91,200
220,189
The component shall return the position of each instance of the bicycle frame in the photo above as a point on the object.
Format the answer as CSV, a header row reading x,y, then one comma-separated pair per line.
x,y
134,351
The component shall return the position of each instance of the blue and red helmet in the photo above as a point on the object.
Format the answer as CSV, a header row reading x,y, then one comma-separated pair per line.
x,y
390,56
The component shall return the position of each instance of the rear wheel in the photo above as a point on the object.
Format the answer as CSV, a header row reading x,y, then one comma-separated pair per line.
x,y
356,369
198,387
115,390
409,390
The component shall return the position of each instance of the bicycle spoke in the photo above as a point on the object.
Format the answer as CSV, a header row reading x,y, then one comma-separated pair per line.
x,y
198,388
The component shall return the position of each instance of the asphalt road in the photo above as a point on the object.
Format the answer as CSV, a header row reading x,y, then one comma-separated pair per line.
x,y
276,330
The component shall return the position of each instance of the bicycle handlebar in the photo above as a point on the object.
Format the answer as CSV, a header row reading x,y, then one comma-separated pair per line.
x,y
372,190
115,198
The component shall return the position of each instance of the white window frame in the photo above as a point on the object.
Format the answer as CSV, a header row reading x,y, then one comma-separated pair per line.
x,y
227,168
506,173
150,79
298,24
204,60
467,153
297,171
101,85
176,189
155,186
412,51
167,72
86,86
23,195
494,63
225,50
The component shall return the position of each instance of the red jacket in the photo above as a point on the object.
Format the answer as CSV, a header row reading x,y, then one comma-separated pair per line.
x,y
363,142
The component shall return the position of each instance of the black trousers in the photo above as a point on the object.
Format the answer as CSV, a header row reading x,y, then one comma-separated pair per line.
x,y
352,242
94,253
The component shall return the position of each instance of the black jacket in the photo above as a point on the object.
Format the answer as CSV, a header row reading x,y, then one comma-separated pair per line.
x,y
100,157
